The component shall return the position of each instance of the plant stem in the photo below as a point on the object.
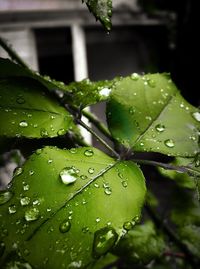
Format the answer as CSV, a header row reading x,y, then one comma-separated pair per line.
x,y
167,166
79,121
99,125
170,233
11,52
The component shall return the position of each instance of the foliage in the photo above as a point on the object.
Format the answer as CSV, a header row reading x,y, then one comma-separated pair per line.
x,y
76,206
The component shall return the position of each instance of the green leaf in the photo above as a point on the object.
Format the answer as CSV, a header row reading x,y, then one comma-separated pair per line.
x,y
102,10
147,113
66,208
27,110
182,179
141,245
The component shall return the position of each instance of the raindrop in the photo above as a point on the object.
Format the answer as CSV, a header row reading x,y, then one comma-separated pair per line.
x,y
131,110
120,175
169,143
91,170
89,153
83,177
61,132
192,137
73,150
38,151
96,185
32,214
5,197
108,190
196,115
23,124
135,76
26,187
68,175
43,132
50,161
85,230
105,92
31,172
12,209
104,240
25,201
18,171
128,225
65,226
98,220
152,83
124,183
2,248
160,128
20,100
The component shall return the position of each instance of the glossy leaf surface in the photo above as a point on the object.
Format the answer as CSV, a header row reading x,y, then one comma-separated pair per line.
x,y
71,204
27,110
147,113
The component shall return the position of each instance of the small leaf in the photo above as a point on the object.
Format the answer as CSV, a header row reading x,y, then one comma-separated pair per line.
x,y
141,245
67,201
102,10
147,113
27,110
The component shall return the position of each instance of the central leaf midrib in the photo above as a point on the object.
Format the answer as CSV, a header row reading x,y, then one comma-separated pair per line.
x,y
80,190
152,122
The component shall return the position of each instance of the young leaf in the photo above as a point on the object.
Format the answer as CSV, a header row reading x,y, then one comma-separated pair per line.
x,y
27,110
147,113
141,245
66,208
102,10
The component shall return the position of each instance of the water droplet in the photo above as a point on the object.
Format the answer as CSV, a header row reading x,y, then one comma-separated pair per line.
x,y
152,83
196,115
105,92
192,137
43,132
169,143
12,209
32,214
128,225
61,132
26,187
160,128
2,248
85,229
18,171
96,185
108,190
91,170
25,201
98,220
73,150
31,172
68,175
89,153
131,110
83,177
38,151
65,226
124,183
50,161
135,76
23,124
5,196
20,100
104,240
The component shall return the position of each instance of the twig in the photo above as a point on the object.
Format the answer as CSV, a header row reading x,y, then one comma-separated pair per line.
x,y
99,125
167,166
79,121
170,233
11,52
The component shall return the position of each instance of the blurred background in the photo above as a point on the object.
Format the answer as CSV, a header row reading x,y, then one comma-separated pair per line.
x,y
60,38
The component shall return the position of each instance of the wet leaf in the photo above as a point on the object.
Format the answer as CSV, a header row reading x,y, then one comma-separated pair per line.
x,y
102,10
147,113
66,203
141,245
27,110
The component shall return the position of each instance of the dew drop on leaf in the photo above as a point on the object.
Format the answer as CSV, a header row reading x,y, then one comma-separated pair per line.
x,y
25,201
20,100
169,143
32,214
2,248
73,150
104,240
152,83
108,190
5,196
91,170
65,226
23,124
124,183
85,229
128,225
18,171
135,76
38,151
12,209
98,220
160,128
68,175
89,153
105,92
196,116
61,132
43,132
83,177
